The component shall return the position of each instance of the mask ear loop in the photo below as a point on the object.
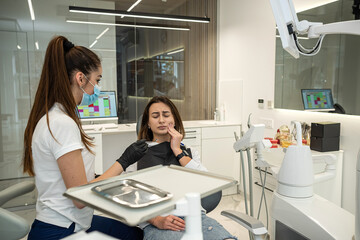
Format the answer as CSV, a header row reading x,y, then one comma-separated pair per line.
x,y
88,81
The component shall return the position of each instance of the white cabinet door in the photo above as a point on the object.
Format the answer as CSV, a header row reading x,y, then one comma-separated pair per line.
x,y
109,147
330,189
218,155
114,145
97,139
193,139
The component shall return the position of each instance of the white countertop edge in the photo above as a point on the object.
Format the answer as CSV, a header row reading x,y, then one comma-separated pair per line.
x,y
131,127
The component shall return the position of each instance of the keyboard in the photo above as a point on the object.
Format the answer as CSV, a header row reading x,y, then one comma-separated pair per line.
x,y
100,126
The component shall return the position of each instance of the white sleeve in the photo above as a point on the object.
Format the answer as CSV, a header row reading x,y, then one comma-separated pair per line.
x,y
67,137
195,161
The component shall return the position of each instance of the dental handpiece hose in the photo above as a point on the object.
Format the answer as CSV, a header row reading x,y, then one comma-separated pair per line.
x,y
244,181
250,183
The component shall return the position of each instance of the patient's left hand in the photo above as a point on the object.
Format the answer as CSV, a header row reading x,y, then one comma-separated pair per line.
x,y
169,222
175,141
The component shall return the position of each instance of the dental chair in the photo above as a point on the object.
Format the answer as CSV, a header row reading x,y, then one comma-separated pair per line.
x,y
12,226
210,202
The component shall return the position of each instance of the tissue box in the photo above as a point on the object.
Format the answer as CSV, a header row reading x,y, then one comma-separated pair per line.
x,y
325,129
325,144
325,136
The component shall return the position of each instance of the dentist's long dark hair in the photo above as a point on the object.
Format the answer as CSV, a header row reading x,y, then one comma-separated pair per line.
x,y
62,61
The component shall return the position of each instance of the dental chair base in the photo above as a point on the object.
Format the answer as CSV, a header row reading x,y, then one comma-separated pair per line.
x,y
309,218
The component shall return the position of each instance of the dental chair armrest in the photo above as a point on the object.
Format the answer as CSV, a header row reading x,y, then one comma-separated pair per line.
x,y
255,226
12,226
15,191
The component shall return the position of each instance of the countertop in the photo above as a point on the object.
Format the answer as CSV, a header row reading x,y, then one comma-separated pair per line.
x,y
131,127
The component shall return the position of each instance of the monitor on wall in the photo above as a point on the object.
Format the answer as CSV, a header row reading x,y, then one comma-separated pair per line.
x,y
103,110
317,99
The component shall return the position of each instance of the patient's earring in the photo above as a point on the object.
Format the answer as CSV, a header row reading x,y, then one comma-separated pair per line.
x,y
148,127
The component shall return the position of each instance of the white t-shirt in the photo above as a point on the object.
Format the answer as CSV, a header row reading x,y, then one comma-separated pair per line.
x,y
51,206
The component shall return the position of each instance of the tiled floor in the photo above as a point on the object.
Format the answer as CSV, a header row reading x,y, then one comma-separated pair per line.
x,y
231,202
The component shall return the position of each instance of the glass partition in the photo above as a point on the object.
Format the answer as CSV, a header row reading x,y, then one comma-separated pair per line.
x,y
138,62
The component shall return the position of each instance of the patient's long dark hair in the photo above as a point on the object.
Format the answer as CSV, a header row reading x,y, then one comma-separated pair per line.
x,y
145,132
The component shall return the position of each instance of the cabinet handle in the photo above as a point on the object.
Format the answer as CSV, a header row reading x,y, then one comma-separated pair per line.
x,y
190,131
189,137
257,168
256,183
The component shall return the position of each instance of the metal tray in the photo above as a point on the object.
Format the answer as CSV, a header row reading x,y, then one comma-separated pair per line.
x,y
131,193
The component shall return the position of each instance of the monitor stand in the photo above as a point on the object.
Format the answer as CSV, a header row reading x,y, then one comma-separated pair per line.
x,y
99,123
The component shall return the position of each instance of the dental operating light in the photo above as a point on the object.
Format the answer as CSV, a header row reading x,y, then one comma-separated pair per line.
x,y
290,27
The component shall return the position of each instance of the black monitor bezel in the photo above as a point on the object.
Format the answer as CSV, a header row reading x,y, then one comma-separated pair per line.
x,y
317,89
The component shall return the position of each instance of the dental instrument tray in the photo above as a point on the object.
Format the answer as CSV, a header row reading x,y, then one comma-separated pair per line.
x,y
131,193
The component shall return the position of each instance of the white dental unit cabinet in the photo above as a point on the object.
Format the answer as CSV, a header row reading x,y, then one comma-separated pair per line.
x,y
212,139
330,189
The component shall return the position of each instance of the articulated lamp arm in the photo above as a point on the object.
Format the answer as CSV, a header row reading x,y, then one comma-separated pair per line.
x,y
347,27
289,27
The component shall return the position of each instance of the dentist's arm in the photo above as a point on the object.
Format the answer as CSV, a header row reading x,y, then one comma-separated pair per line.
x,y
73,172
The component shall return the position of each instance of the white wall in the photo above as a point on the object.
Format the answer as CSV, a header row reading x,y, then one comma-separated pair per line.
x,y
245,54
246,57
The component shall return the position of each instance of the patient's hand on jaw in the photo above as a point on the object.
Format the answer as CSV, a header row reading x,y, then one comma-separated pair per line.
x,y
175,139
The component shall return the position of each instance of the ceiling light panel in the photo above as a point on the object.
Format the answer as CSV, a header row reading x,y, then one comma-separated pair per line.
x,y
108,12
129,25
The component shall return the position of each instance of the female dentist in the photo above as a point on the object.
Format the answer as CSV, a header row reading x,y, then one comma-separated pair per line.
x,y
57,150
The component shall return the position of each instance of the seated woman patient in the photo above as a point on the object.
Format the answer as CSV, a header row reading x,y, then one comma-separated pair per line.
x,y
163,129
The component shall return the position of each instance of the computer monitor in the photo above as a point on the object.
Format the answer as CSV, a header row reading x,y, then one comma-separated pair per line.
x,y
103,110
317,99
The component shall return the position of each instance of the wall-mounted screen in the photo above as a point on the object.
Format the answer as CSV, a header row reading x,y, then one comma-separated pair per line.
x,y
317,99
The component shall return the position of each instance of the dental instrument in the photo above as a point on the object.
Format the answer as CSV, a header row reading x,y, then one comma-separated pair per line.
x,y
253,138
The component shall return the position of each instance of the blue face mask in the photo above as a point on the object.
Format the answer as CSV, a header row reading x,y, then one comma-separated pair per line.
x,y
90,99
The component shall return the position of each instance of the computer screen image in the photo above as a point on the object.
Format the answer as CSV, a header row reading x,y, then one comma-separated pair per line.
x,y
317,99
103,108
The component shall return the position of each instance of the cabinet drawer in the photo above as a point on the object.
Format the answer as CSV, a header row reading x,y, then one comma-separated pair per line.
x,y
192,137
220,132
192,142
192,131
